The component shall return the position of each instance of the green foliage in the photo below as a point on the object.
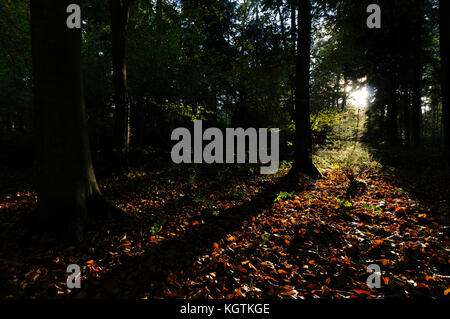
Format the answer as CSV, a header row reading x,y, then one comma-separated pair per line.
x,y
283,195
230,63
345,203
376,210
344,149
15,69
157,226
322,124
180,110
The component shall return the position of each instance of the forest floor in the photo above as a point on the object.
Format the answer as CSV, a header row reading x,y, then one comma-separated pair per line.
x,y
194,232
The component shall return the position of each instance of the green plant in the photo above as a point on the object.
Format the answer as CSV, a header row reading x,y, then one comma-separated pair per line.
x,y
283,195
345,203
374,209
285,166
157,226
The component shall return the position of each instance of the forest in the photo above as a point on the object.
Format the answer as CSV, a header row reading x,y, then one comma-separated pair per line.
x,y
224,149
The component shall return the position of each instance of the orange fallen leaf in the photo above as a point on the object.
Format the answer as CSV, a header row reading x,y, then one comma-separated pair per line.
x,y
270,278
385,262
90,262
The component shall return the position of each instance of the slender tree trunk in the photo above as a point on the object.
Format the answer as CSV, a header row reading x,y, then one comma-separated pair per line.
x,y
293,26
336,91
392,112
67,189
344,95
406,115
303,149
416,115
283,28
444,10
293,32
120,12
159,15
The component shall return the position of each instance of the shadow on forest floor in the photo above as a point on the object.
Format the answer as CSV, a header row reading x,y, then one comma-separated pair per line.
x,y
215,232
179,253
421,172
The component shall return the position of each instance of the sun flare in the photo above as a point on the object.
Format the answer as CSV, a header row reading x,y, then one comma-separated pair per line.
x,y
359,98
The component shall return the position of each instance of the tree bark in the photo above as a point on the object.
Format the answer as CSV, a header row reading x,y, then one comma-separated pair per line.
x,y
293,32
293,26
303,149
159,15
392,111
344,95
283,28
416,114
444,25
66,185
120,13
406,115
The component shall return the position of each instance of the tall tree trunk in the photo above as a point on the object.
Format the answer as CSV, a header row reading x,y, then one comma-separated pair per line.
x,y
293,26
67,189
344,95
303,148
444,25
392,111
120,13
293,32
416,114
406,115
159,15
283,28
336,91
